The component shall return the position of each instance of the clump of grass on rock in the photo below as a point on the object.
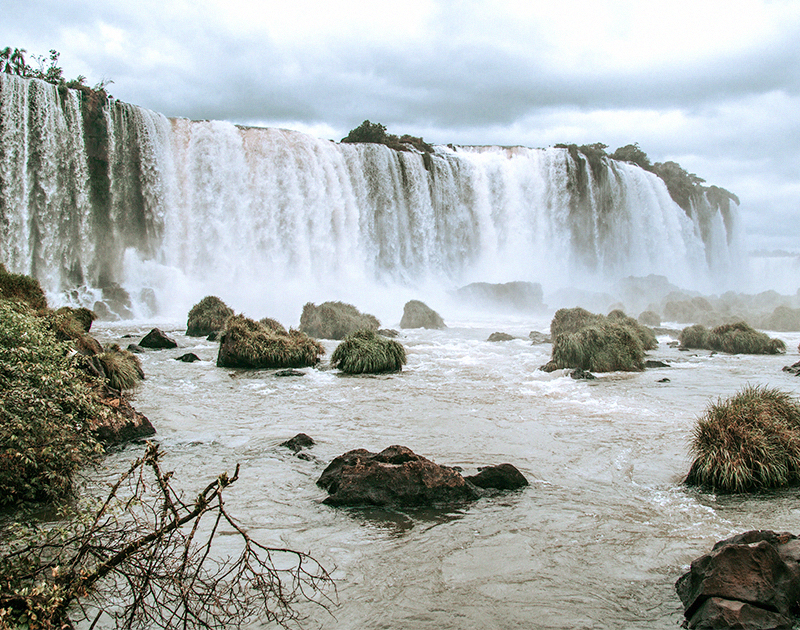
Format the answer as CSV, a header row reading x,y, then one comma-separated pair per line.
x,y
335,320
748,442
367,352
247,343
122,369
594,343
737,338
207,316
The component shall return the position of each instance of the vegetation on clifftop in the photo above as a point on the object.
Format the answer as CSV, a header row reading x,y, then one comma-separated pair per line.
x,y
375,133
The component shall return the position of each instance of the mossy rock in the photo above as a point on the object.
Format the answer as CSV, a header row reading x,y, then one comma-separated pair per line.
x,y
21,288
737,338
649,318
207,316
748,442
645,334
417,314
571,320
335,320
247,343
122,369
274,325
601,347
367,352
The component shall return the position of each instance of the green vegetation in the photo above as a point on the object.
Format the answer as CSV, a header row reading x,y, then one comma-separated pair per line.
x,y
375,133
591,342
649,318
600,347
247,343
12,61
21,288
737,338
367,352
83,316
748,442
273,324
47,410
122,369
207,316
335,320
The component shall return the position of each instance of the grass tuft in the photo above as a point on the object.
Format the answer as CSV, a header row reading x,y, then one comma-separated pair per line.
x,y
122,369
250,344
736,338
207,316
20,288
749,442
602,347
366,352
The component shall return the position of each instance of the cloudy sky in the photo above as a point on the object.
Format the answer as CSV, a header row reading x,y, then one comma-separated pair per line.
x,y
713,85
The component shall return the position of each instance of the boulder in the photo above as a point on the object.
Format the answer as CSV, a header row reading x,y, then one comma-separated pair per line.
x,y
335,320
157,340
394,477
247,343
500,336
500,477
793,369
538,338
417,314
189,357
655,364
748,581
123,424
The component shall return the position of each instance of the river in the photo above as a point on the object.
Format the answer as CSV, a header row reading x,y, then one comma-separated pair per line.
x,y
596,541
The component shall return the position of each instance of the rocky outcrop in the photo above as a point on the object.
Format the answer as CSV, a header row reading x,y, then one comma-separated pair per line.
x,y
538,338
500,336
298,442
157,340
417,314
397,477
751,581
124,424
335,320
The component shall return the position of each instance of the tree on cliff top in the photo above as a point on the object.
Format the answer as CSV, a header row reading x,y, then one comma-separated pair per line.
x,y
375,133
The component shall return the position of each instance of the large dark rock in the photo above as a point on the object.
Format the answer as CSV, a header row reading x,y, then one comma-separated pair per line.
x,y
519,296
417,314
157,340
748,581
793,369
298,442
123,424
394,477
500,477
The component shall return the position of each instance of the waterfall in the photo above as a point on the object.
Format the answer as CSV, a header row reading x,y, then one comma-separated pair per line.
x,y
172,210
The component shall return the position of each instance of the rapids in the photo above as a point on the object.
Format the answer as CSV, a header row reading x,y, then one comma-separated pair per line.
x,y
596,541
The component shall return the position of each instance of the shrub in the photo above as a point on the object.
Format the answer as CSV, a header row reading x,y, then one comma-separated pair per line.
x,y
249,344
375,133
599,347
365,351
207,316
47,410
649,318
740,338
82,315
21,288
748,442
335,320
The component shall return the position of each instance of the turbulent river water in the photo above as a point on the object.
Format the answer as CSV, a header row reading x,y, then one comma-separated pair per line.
x,y
596,541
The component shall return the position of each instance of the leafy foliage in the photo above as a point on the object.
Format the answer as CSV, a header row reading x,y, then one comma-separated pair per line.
x,y
250,344
145,558
632,153
367,352
748,442
207,316
12,61
375,133
335,320
47,409
737,338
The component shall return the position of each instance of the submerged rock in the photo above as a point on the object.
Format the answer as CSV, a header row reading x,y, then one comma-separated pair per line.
x,y
394,477
298,442
189,357
538,338
751,580
157,340
656,364
500,336
793,369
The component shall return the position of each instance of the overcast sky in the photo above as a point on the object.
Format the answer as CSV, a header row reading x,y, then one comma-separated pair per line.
x,y
713,85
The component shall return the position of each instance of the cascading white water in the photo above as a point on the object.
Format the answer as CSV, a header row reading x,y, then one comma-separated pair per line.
x,y
174,210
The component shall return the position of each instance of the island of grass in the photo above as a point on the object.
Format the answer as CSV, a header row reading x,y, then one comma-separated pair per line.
x,y
748,442
367,352
737,338
335,320
207,316
247,343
